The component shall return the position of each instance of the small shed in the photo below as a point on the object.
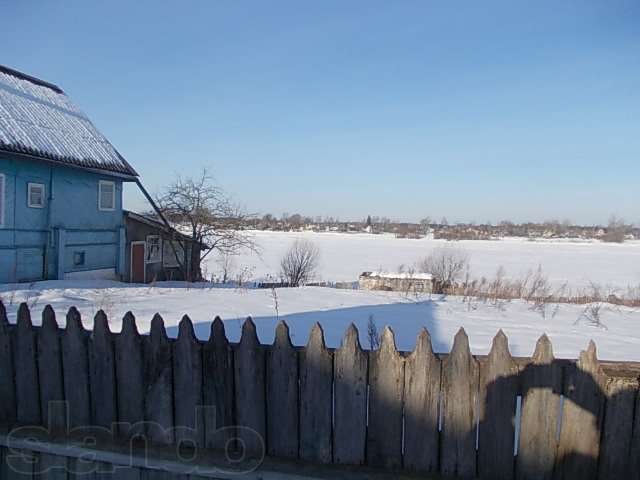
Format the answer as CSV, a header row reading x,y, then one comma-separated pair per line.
x,y
155,252
407,282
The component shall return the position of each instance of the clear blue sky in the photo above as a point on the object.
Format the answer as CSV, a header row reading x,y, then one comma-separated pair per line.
x,y
470,110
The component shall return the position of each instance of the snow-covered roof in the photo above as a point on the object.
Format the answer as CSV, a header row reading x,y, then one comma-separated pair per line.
x,y
402,275
38,119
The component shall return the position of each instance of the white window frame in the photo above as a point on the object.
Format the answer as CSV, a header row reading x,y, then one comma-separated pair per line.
x,y
147,250
101,184
31,185
3,197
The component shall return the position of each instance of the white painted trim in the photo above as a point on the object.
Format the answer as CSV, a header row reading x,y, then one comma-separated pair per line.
x,y
100,184
30,185
144,276
3,198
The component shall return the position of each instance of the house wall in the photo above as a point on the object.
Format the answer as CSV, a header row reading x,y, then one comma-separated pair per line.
x,y
30,238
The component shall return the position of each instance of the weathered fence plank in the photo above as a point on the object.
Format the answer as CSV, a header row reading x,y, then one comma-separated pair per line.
x,y
102,373
7,373
499,385
50,372
386,388
350,416
282,395
460,380
615,460
249,366
541,389
26,373
158,381
218,389
75,367
18,467
582,414
81,468
421,398
129,378
52,467
316,393
187,388
127,473
634,456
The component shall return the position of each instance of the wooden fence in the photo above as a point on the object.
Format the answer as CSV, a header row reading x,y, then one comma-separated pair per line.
x,y
452,414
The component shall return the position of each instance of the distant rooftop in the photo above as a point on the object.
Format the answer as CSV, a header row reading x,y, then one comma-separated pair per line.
x,y
38,119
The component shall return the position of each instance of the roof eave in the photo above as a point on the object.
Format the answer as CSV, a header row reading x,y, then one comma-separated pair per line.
x,y
129,176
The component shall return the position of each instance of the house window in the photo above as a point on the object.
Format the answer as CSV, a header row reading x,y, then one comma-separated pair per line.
x,y
35,195
154,250
78,259
2,183
106,195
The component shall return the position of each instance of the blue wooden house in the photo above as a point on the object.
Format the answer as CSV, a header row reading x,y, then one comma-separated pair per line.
x,y
61,187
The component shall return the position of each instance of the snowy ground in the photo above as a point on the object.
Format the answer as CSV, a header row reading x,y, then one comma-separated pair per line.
x,y
345,256
335,309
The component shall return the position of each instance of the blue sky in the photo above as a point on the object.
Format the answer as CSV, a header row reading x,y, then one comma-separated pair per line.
x,y
470,110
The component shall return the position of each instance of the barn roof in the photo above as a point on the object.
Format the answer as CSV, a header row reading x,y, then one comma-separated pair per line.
x,y
38,119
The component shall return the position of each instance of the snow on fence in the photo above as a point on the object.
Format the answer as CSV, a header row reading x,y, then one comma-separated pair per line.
x,y
456,414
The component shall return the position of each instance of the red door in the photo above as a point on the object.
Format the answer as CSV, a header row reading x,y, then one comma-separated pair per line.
x,y
137,262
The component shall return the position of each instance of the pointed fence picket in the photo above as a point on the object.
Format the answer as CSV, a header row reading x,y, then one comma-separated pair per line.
x,y
497,404
541,388
218,388
250,405
316,393
187,385
386,388
350,400
421,407
129,378
421,412
460,391
27,391
50,372
158,384
282,395
7,383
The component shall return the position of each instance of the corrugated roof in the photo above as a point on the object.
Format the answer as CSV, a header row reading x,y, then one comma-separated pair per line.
x,y
38,119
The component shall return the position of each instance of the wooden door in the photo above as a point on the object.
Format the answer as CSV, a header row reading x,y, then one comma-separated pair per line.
x,y
137,274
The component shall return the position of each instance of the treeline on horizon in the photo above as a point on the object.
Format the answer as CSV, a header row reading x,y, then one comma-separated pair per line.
x,y
616,230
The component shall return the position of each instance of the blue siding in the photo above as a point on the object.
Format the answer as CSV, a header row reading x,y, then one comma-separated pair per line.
x,y
29,242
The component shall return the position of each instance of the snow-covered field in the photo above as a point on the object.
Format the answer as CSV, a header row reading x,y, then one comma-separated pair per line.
x,y
345,256
619,339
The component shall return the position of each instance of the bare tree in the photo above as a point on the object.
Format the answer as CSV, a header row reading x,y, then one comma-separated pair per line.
x,y
372,333
425,224
616,230
199,208
227,266
300,262
446,265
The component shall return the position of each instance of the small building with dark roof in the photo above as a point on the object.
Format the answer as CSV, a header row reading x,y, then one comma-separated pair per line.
x,y
155,251
61,184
